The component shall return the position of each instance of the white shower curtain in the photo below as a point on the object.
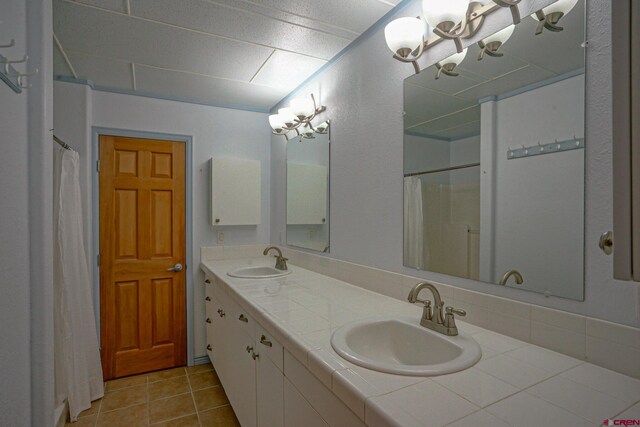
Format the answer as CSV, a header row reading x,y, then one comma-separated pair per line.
x,y
77,357
413,223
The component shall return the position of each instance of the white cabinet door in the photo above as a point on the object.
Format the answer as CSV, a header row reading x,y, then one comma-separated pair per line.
x,y
297,411
270,393
235,191
241,383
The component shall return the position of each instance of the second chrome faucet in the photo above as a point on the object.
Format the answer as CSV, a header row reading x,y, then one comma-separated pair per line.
x,y
434,318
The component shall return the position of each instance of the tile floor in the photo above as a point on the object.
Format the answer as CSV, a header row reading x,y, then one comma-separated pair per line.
x,y
179,397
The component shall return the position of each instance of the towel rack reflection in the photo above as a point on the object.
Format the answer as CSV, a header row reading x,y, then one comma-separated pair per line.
x,y
451,168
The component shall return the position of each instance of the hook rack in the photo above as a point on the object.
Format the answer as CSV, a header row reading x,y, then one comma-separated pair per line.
x,y
8,74
540,149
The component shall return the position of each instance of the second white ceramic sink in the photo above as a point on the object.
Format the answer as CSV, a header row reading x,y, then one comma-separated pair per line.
x,y
400,345
258,272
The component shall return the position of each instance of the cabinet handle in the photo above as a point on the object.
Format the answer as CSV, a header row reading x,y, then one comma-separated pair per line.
x,y
207,299
221,313
255,356
209,347
217,220
249,349
207,281
243,318
265,341
208,320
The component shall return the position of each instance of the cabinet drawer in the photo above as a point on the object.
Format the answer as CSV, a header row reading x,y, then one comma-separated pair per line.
x,y
269,346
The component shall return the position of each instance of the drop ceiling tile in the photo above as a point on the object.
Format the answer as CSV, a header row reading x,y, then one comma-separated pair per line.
x,y
287,70
238,24
102,71
354,15
426,103
462,131
90,31
508,83
436,124
283,16
187,86
60,67
445,84
115,5
489,67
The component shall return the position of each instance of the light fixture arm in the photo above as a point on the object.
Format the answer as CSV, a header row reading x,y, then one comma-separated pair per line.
x,y
490,49
548,21
513,6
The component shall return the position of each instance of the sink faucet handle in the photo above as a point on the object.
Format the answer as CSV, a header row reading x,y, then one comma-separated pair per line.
x,y
456,311
427,311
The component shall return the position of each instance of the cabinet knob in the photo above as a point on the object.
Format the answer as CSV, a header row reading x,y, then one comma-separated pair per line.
x,y
208,320
243,318
207,299
221,313
217,220
255,356
265,341
207,281
249,349
209,347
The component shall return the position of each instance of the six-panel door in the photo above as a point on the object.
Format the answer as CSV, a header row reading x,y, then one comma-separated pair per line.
x,y
142,237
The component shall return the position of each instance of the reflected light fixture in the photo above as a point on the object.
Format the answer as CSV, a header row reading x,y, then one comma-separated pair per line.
x,y
449,20
549,16
296,117
491,44
448,65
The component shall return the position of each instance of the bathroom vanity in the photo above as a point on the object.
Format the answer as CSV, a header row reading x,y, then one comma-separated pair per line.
x,y
270,342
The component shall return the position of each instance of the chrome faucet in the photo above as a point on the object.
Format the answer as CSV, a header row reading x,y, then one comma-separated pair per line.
x,y
281,262
435,319
515,273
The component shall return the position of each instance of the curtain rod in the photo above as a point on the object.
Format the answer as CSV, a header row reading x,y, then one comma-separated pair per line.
x,y
452,168
62,143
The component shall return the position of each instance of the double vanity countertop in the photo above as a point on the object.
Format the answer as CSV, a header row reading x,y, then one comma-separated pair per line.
x,y
514,384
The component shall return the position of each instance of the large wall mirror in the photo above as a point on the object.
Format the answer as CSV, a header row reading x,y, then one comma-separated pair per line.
x,y
494,162
308,159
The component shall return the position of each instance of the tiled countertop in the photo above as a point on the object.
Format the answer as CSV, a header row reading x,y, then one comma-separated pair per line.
x,y
514,384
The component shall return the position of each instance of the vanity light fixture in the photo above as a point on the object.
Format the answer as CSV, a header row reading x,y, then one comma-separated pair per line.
x,y
447,65
549,16
297,117
491,44
449,20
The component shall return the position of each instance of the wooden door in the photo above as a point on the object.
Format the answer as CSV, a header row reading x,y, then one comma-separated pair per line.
x,y
142,236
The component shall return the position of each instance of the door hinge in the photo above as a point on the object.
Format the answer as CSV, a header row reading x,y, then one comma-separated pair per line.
x,y
97,165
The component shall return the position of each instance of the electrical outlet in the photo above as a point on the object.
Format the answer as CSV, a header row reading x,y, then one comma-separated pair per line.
x,y
220,237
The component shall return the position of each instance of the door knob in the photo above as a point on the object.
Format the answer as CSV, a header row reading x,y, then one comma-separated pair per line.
x,y
176,268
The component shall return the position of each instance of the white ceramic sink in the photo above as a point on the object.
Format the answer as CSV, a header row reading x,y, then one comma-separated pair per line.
x,y
400,345
258,272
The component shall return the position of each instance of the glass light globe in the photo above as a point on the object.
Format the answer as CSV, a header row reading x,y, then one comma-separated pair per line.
x,y
276,122
302,107
438,11
404,33
501,36
322,127
456,58
287,116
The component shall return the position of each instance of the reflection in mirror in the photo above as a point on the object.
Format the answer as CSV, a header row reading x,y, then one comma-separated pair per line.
x,y
494,162
308,189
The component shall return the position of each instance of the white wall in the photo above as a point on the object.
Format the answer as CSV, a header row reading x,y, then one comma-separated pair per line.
x,y
216,132
363,95
26,309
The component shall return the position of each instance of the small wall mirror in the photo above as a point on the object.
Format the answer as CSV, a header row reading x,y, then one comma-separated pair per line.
x,y
494,162
308,160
